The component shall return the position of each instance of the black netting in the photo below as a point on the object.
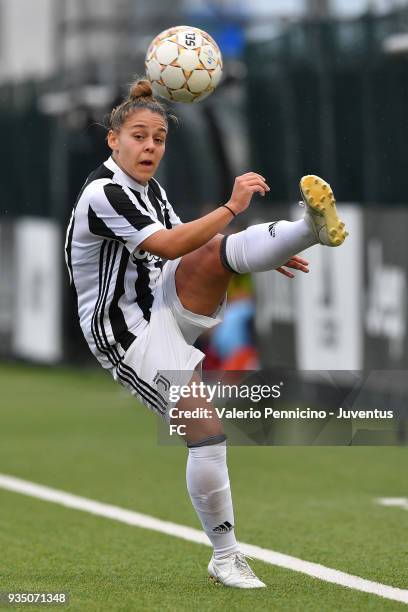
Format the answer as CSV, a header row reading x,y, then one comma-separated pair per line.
x,y
325,98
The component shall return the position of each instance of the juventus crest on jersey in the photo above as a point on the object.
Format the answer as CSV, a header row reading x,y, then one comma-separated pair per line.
x,y
114,280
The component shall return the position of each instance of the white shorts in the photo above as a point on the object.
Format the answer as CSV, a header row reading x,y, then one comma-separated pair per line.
x,y
163,354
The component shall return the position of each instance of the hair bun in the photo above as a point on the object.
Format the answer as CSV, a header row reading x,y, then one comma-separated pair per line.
x,y
140,96
140,89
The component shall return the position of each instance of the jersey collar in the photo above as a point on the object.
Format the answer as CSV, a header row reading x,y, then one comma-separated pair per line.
x,y
124,179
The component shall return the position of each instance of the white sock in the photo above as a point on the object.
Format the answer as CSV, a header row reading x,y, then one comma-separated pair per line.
x,y
209,489
266,246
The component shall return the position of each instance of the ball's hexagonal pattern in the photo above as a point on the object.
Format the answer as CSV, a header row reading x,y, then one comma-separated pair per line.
x,y
188,60
167,52
173,77
161,91
199,81
153,70
184,64
182,95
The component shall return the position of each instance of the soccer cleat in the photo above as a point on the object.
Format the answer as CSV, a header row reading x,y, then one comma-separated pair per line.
x,y
321,214
233,571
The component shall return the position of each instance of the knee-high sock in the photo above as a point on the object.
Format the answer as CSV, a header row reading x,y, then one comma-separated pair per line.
x,y
209,489
265,246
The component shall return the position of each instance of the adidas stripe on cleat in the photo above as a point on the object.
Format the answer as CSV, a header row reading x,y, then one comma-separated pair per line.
x,y
321,213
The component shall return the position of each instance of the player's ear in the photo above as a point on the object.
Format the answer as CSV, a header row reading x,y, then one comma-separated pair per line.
x,y
112,140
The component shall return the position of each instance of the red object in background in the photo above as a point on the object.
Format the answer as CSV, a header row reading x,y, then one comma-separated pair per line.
x,y
245,358
211,361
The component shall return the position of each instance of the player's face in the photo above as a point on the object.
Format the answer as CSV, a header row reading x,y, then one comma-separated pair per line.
x,y
139,144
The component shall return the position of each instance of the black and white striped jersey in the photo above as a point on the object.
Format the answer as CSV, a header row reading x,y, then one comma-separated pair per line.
x,y
114,281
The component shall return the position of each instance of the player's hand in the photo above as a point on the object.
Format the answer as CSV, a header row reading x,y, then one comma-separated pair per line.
x,y
295,262
244,188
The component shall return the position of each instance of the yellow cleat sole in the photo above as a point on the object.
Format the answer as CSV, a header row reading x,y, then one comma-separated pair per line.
x,y
318,195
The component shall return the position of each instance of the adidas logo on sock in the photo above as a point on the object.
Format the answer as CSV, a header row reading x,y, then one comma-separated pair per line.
x,y
271,228
223,528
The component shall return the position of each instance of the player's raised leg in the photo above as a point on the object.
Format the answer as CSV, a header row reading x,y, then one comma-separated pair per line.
x,y
203,275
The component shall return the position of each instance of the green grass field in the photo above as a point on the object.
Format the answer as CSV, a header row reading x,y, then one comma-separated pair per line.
x,y
81,432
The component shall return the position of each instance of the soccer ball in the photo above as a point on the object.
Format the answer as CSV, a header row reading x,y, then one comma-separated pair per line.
x,y
183,64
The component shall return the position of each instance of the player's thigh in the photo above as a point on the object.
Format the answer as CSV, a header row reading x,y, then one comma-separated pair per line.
x,y
201,278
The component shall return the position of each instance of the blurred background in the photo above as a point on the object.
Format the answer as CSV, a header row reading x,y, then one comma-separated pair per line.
x,y
310,86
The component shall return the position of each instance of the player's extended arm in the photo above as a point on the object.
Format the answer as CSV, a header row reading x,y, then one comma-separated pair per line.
x,y
188,237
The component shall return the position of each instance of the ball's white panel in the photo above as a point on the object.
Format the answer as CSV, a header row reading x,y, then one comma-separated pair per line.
x,y
203,95
153,70
190,39
166,52
182,95
188,60
208,57
160,90
173,77
216,76
199,81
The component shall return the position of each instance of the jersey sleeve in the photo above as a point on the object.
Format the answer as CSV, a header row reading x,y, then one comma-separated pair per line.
x,y
113,212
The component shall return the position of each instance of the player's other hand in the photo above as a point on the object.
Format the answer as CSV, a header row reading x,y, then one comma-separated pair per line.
x,y
295,262
244,188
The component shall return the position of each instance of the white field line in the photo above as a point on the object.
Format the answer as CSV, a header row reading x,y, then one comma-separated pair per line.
x,y
398,502
194,535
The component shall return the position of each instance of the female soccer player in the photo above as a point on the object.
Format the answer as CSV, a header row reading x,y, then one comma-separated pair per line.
x,y
141,316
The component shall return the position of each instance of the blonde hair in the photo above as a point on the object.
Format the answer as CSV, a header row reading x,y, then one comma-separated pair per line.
x,y
140,96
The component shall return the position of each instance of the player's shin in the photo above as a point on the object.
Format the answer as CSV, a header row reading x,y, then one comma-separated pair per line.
x,y
209,489
265,246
